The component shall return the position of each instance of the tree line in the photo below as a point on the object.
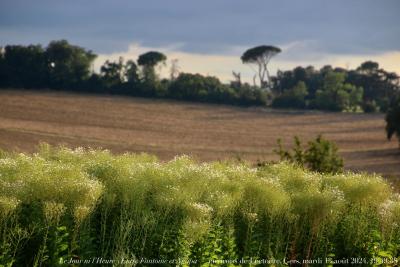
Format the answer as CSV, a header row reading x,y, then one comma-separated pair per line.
x,y
368,88
63,66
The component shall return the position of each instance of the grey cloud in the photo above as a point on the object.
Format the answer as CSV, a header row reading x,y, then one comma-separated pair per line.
x,y
207,26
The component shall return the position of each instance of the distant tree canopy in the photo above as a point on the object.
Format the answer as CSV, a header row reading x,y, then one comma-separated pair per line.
x,y
112,73
151,59
195,86
367,88
337,95
260,56
59,66
24,66
67,64
151,85
63,66
292,98
148,61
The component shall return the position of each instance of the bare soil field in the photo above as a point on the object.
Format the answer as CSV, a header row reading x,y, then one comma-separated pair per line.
x,y
168,128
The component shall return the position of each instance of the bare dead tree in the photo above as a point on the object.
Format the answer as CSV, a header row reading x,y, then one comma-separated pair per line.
x,y
174,70
237,77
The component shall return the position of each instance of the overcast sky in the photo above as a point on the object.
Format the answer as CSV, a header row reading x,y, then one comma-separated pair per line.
x,y
208,36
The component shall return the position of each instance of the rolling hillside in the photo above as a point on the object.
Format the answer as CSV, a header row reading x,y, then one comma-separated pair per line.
x,y
169,128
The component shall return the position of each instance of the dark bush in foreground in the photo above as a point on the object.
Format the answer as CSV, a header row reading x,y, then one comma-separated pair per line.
x,y
393,120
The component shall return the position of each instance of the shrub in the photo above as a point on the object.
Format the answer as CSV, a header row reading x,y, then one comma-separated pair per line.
x,y
320,155
393,120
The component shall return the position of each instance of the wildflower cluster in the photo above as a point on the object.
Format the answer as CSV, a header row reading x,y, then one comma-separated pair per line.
x,y
61,202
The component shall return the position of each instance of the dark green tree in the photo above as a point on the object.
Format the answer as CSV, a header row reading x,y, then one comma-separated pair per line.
x,y
149,61
69,65
201,88
337,95
368,67
379,85
260,56
151,84
293,98
24,66
112,73
393,120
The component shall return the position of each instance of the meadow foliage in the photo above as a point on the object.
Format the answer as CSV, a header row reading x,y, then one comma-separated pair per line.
x,y
60,205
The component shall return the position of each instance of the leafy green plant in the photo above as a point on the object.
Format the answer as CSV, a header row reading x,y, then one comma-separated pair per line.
x,y
320,155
